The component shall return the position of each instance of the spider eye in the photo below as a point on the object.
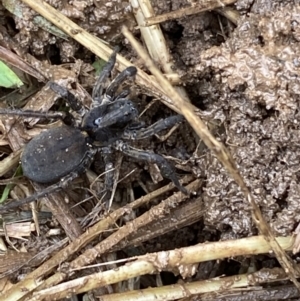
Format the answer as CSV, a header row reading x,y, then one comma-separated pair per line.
x,y
134,111
97,121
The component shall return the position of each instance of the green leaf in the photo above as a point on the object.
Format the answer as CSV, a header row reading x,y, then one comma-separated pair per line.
x,y
98,65
9,187
8,78
6,193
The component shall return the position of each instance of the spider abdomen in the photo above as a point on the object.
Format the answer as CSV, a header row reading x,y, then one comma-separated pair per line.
x,y
53,154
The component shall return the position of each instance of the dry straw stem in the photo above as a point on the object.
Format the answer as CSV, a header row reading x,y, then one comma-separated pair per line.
x,y
221,153
228,12
13,259
152,36
30,281
167,261
183,215
222,288
154,39
200,7
18,229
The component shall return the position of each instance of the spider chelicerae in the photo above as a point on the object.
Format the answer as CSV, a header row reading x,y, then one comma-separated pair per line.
x,y
59,155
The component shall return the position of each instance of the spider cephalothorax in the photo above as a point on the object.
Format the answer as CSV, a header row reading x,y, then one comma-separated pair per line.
x,y
60,154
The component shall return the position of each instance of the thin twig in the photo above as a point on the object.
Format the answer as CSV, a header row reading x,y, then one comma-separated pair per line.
x,y
200,7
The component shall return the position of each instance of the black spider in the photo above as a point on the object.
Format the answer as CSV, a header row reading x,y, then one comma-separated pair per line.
x,y
60,154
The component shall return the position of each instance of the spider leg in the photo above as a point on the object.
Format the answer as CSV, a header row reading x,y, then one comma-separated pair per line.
x,y
135,126
123,94
115,84
66,117
28,113
62,184
109,173
160,125
67,95
55,187
105,73
165,167
97,93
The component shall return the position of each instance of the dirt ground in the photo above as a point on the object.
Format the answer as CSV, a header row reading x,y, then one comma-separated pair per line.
x,y
240,67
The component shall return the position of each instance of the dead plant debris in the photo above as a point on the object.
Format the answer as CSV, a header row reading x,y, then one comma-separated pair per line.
x,y
239,68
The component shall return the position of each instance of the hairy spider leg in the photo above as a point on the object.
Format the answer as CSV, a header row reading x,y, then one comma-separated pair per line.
x,y
65,116
146,132
115,84
109,170
165,167
122,94
105,73
34,114
63,92
62,184
111,90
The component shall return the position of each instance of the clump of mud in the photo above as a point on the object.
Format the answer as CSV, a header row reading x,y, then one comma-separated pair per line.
x,y
256,75
100,18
